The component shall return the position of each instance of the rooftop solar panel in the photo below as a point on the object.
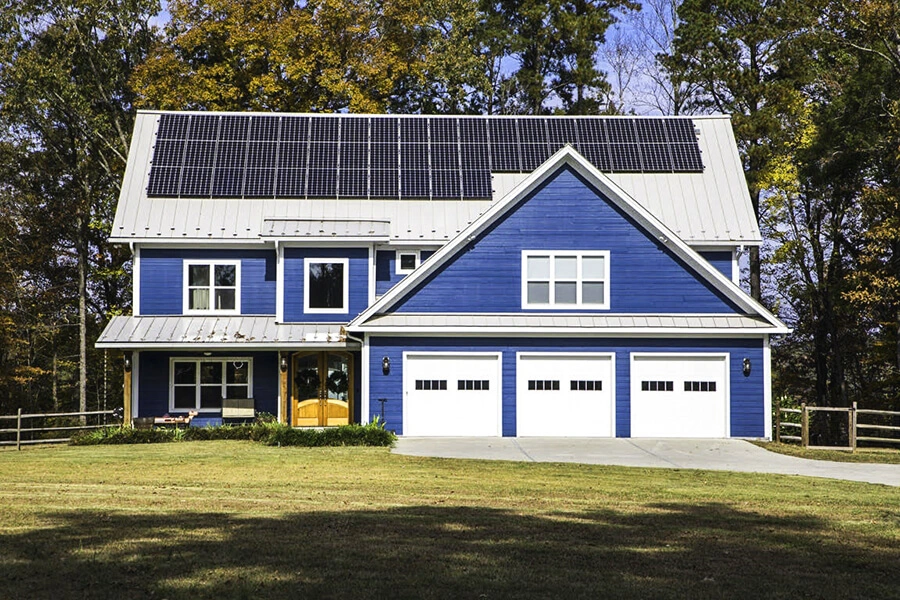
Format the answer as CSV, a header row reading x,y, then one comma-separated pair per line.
x,y
198,155
443,131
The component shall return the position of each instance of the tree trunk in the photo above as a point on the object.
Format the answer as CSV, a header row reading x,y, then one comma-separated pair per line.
x,y
82,317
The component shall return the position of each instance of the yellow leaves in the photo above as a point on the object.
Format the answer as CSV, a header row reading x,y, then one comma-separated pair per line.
x,y
324,55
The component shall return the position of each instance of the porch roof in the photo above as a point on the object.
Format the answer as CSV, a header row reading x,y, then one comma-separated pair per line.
x,y
215,332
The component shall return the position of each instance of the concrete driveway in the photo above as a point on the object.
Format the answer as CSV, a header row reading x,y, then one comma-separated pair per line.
x,y
716,455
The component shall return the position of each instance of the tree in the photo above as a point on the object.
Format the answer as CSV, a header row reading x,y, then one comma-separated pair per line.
x,y
66,116
749,59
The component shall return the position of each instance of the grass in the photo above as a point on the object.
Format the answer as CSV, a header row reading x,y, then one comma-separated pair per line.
x,y
231,519
860,455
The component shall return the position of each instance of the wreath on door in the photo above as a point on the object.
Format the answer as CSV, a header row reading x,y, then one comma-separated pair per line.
x,y
307,382
337,382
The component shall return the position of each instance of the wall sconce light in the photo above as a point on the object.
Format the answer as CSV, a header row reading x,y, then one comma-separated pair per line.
x,y
747,367
386,365
128,363
283,364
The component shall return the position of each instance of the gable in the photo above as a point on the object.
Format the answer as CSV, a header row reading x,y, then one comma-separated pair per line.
x,y
565,213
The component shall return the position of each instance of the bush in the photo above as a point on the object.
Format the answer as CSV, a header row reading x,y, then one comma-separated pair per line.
x,y
125,435
266,432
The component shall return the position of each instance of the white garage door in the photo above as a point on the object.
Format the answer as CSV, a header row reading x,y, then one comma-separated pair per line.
x,y
679,396
451,395
564,395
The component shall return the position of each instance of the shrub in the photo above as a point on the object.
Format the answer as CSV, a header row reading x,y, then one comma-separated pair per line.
x,y
266,432
124,435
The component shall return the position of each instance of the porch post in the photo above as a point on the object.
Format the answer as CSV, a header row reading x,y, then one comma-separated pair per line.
x,y
126,390
283,365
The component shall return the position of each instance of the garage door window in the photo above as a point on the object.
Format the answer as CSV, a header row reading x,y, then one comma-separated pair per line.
x,y
565,279
699,386
473,384
586,386
431,384
657,386
543,384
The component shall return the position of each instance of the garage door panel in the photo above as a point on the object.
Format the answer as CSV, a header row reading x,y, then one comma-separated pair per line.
x,y
452,395
564,395
679,396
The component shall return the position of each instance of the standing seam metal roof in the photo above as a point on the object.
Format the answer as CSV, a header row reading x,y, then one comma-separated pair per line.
x,y
709,208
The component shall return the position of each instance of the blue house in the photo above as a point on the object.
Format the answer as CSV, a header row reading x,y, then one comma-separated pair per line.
x,y
453,275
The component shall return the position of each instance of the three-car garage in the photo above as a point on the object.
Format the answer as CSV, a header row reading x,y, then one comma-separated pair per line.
x,y
566,394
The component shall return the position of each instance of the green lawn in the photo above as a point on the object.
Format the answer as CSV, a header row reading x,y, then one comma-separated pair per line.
x,y
241,520
860,455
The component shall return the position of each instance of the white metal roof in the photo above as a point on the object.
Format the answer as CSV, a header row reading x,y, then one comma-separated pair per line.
x,y
711,208
570,324
326,228
260,332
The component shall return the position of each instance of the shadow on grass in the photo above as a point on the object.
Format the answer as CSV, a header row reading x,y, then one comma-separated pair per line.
x,y
671,550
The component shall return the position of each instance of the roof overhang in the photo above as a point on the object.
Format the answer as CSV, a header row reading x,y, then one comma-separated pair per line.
x,y
214,332
569,325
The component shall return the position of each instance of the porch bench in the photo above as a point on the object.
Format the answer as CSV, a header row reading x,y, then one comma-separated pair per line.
x,y
238,408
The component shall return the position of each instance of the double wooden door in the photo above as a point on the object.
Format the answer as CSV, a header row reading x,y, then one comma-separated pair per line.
x,y
322,389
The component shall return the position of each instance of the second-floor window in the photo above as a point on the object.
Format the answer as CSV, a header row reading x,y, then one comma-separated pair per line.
x,y
565,279
212,287
325,288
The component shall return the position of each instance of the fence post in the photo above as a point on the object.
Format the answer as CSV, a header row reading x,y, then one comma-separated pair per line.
x,y
19,430
778,421
853,419
804,425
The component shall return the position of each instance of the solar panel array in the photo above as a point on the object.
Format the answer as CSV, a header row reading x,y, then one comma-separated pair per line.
x,y
344,156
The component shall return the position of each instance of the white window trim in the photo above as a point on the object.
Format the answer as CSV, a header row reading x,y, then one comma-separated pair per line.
x,y
345,309
400,271
579,254
186,301
203,359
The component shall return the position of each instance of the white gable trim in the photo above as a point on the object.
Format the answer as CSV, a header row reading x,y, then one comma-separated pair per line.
x,y
568,156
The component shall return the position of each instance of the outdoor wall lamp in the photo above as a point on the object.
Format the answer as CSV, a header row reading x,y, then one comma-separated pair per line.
x,y
128,363
386,365
283,364
747,367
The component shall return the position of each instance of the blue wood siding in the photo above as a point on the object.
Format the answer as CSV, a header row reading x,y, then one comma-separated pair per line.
x,y
358,281
747,404
153,380
386,275
162,274
720,259
565,214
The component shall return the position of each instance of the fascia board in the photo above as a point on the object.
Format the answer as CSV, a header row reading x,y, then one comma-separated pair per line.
x,y
569,331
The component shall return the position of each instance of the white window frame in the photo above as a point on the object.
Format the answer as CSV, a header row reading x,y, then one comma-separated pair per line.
x,y
577,254
398,270
345,309
186,300
198,361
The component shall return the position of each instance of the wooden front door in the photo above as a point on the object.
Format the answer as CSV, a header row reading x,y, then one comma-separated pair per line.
x,y
322,389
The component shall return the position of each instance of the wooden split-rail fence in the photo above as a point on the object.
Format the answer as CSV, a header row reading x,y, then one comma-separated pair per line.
x,y
787,429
